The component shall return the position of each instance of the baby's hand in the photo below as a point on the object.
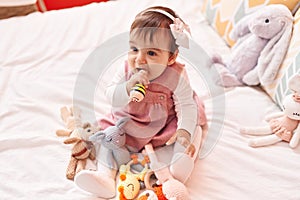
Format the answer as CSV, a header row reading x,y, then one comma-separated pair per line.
x,y
183,137
190,150
139,77
189,147
183,141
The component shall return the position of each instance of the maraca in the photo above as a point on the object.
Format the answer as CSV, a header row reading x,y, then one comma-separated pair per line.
x,y
137,93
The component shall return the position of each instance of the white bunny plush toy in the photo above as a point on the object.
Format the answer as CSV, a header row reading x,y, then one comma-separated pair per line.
x,y
281,128
262,39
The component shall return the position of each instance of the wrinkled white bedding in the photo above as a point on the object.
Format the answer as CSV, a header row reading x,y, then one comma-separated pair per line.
x,y
40,58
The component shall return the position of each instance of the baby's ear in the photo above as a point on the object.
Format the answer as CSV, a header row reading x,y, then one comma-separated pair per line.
x,y
173,58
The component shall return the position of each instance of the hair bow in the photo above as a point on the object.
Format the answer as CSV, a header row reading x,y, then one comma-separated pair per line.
x,y
181,33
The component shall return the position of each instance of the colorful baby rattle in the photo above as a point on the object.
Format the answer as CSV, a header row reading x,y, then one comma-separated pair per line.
x,y
137,93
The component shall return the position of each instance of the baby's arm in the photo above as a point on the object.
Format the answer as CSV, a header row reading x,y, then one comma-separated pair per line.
x,y
187,113
116,92
185,105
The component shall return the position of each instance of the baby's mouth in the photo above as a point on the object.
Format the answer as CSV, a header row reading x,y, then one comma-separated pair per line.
x,y
140,69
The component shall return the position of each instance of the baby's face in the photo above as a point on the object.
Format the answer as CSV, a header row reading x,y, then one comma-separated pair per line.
x,y
153,56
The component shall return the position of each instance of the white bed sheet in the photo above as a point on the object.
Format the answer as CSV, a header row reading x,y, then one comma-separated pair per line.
x,y
40,58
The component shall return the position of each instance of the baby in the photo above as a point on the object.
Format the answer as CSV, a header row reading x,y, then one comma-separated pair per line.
x,y
169,115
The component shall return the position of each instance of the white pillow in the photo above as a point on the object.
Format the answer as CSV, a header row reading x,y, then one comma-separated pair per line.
x,y
7,3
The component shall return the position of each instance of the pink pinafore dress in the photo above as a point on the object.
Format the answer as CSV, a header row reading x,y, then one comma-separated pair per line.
x,y
153,120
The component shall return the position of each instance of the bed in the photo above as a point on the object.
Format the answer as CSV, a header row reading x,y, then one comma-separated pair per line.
x,y
44,59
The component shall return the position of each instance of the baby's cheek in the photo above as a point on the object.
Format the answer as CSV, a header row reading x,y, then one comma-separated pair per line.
x,y
130,59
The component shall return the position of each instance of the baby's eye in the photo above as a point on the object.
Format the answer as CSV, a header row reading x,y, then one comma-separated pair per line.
x,y
133,49
151,53
267,20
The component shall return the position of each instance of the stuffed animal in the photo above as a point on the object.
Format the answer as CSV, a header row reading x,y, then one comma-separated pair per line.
x,y
78,134
159,192
286,127
81,151
137,93
152,192
171,188
128,186
72,119
262,39
114,138
129,183
148,195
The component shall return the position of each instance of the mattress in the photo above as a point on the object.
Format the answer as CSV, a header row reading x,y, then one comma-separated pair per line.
x,y
43,60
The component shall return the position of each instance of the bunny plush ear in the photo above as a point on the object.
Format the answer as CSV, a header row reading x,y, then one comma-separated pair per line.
x,y
120,123
97,137
274,52
241,28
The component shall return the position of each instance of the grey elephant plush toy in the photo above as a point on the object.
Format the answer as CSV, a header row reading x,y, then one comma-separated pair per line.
x,y
114,139
262,39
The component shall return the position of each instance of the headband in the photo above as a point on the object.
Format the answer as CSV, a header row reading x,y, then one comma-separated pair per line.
x,y
180,30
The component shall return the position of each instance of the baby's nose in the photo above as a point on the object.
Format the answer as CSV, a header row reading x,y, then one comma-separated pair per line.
x,y
141,58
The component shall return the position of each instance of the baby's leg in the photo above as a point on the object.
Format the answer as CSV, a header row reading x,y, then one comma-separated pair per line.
x,y
264,141
182,164
101,182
